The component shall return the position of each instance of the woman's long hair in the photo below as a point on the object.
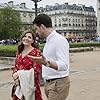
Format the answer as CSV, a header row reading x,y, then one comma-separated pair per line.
x,y
21,46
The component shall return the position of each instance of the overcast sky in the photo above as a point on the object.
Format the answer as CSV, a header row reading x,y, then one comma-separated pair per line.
x,y
30,4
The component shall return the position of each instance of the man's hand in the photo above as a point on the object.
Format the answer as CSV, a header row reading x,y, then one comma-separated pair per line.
x,y
40,59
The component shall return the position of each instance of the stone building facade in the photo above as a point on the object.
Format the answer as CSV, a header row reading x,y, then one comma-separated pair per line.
x,y
27,15
98,17
72,21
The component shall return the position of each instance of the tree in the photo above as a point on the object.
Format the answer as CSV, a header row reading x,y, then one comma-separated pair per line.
x,y
10,23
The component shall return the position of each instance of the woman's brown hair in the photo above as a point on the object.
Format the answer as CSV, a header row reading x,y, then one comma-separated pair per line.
x,y
21,46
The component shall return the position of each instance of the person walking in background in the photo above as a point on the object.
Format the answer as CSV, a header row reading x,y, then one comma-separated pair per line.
x,y
54,60
27,46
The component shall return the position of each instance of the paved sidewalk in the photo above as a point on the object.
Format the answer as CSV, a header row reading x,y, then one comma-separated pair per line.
x,y
84,76
5,67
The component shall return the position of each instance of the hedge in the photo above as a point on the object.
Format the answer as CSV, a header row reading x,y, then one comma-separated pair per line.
x,y
85,44
10,50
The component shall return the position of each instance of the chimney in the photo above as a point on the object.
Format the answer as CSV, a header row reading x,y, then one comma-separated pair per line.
x,y
10,3
66,3
23,5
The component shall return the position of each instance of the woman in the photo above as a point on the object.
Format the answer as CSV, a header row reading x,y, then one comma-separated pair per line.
x,y
27,46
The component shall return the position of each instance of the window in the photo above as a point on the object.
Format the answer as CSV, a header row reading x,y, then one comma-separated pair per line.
x,y
24,14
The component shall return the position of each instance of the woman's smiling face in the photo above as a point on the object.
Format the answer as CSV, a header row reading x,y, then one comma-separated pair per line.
x,y
27,39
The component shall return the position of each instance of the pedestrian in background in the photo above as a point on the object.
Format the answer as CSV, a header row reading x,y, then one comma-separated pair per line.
x,y
54,60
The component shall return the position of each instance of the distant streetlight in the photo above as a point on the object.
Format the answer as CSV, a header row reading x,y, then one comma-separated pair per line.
x,y
35,1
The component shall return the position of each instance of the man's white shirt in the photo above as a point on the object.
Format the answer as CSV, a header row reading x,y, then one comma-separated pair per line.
x,y
56,50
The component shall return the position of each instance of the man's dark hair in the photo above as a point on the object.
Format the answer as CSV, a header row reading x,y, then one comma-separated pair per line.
x,y
43,19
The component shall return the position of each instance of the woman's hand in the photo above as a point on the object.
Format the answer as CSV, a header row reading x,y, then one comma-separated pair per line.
x,y
16,79
15,76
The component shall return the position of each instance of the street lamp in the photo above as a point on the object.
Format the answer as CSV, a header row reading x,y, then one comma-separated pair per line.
x,y
35,1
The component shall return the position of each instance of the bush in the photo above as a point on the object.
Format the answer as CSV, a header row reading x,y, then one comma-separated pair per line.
x,y
77,45
10,50
84,44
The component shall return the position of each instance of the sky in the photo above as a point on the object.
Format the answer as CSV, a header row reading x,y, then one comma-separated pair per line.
x,y
30,4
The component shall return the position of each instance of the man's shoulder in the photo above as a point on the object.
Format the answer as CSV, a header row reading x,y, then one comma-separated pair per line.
x,y
59,36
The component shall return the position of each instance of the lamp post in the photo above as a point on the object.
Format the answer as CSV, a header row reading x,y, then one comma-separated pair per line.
x,y
35,1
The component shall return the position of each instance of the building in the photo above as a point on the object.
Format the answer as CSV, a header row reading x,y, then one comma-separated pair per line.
x,y
98,17
72,21
27,15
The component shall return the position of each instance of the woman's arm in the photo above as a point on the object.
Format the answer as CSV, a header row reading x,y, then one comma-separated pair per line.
x,y
14,73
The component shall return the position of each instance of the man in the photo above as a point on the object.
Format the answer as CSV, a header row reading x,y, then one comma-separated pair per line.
x,y
55,59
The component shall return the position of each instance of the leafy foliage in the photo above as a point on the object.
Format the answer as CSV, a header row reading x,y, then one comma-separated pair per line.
x,y
10,50
10,23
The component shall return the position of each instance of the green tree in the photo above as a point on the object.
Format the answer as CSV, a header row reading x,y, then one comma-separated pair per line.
x,y
10,23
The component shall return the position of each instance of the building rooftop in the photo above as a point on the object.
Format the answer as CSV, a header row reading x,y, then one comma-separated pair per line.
x,y
57,6
19,7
